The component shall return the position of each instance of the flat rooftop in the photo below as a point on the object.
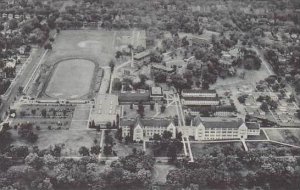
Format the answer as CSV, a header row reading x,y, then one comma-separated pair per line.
x,y
156,91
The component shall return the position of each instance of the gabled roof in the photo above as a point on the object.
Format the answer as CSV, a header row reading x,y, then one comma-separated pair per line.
x,y
197,120
218,122
200,91
134,97
145,122
253,125
201,98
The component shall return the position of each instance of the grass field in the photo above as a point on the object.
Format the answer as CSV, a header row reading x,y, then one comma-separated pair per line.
x,y
72,140
290,136
261,136
263,145
98,45
71,79
160,172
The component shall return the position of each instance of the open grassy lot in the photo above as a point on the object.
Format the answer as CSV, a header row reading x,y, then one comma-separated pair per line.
x,y
262,145
160,172
72,140
261,136
43,116
200,149
99,45
122,149
80,117
71,79
290,136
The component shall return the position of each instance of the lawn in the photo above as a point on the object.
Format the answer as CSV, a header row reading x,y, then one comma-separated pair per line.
x,y
96,45
261,136
132,113
71,79
121,149
151,147
160,172
289,136
262,145
72,140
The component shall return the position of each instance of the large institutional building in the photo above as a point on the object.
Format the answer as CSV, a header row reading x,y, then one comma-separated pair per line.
x,y
200,129
199,98
146,128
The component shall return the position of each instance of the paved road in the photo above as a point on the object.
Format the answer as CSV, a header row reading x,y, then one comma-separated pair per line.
x,y
263,60
20,81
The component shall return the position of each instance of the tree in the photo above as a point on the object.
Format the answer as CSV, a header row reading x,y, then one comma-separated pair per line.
x,y
172,152
162,108
141,109
160,77
179,136
114,124
108,140
264,107
95,149
112,65
108,125
84,151
44,113
128,139
167,135
33,111
26,131
119,134
156,137
18,151
107,150
92,124
34,160
152,106
298,114
13,24
242,98
48,46
56,151
273,105
5,163
5,139
20,89
118,54
32,137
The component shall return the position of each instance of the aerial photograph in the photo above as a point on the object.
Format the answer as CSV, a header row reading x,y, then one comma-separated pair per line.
x,y
149,94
